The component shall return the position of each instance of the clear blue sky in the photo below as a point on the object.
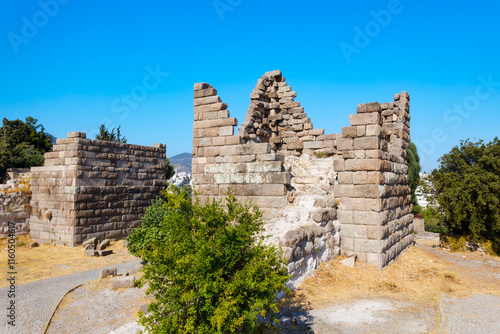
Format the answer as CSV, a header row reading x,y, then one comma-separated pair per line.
x,y
73,66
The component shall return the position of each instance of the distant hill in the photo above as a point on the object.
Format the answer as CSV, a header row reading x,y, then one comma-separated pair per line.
x,y
182,162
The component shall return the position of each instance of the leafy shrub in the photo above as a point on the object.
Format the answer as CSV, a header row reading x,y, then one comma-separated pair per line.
x,y
433,220
208,270
23,144
467,189
417,209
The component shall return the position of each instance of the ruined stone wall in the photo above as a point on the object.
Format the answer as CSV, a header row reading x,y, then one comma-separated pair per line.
x,y
375,204
92,188
356,199
15,206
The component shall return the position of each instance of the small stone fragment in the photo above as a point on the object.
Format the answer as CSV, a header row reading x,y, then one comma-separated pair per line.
x,y
91,241
123,282
90,252
105,252
349,261
108,272
103,244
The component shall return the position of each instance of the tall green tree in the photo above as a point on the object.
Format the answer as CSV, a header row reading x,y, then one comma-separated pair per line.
x,y
414,168
467,189
113,135
206,266
169,169
23,144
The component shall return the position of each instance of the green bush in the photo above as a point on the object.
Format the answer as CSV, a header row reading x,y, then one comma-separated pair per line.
x,y
22,144
433,220
467,190
208,270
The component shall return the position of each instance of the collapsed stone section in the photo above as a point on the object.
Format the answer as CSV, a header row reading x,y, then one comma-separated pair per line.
x,y
93,188
321,193
275,117
15,206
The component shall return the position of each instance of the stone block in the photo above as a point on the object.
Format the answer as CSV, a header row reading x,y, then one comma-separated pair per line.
x,y
90,252
367,143
124,282
273,190
313,145
366,245
366,218
108,272
205,92
105,252
349,132
366,191
202,85
362,164
345,144
364,119
103,244
206,100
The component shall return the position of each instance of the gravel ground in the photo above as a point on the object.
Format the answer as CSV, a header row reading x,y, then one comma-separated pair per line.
x,y
476,314
37,301
97,311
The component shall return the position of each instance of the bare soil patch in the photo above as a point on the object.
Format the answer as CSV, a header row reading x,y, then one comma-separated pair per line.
x,y
48,261
422,275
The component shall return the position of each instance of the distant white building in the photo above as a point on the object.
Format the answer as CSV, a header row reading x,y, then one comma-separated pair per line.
x,y
419,192
181,179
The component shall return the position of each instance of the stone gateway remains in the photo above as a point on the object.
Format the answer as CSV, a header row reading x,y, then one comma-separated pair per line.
x,y
321,194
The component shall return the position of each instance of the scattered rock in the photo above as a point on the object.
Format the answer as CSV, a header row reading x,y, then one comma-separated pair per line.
x,y
105,252
89,247
285,322
124,243
103,244
90,252
108,272
350,261
91,241
123,282
33,245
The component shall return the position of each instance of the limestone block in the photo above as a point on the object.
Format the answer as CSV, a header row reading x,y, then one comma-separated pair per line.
x,y
349,132
205,92
367,143
363,164
364,119
206,100
366,245
366,218
202,85
344,144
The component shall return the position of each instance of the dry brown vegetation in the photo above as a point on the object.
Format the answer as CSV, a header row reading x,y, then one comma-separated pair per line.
x,y
417,276
48,261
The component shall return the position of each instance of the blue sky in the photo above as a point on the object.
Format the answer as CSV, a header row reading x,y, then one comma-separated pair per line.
x,y
75,64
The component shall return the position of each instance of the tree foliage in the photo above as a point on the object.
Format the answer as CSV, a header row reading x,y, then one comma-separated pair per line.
x,y
208,270
467,189
413,161
169,169
113,135
23,144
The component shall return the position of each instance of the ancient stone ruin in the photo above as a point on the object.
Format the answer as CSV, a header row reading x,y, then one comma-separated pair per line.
x,y
321,194
93,188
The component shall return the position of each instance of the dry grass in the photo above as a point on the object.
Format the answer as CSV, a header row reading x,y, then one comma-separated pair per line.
x,y
48,261
416,276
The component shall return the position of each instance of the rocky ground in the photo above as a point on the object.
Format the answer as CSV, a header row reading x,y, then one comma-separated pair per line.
x,y
426,290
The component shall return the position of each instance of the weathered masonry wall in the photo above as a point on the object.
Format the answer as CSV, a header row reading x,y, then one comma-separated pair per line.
x,y
320,193
15,206
93,188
